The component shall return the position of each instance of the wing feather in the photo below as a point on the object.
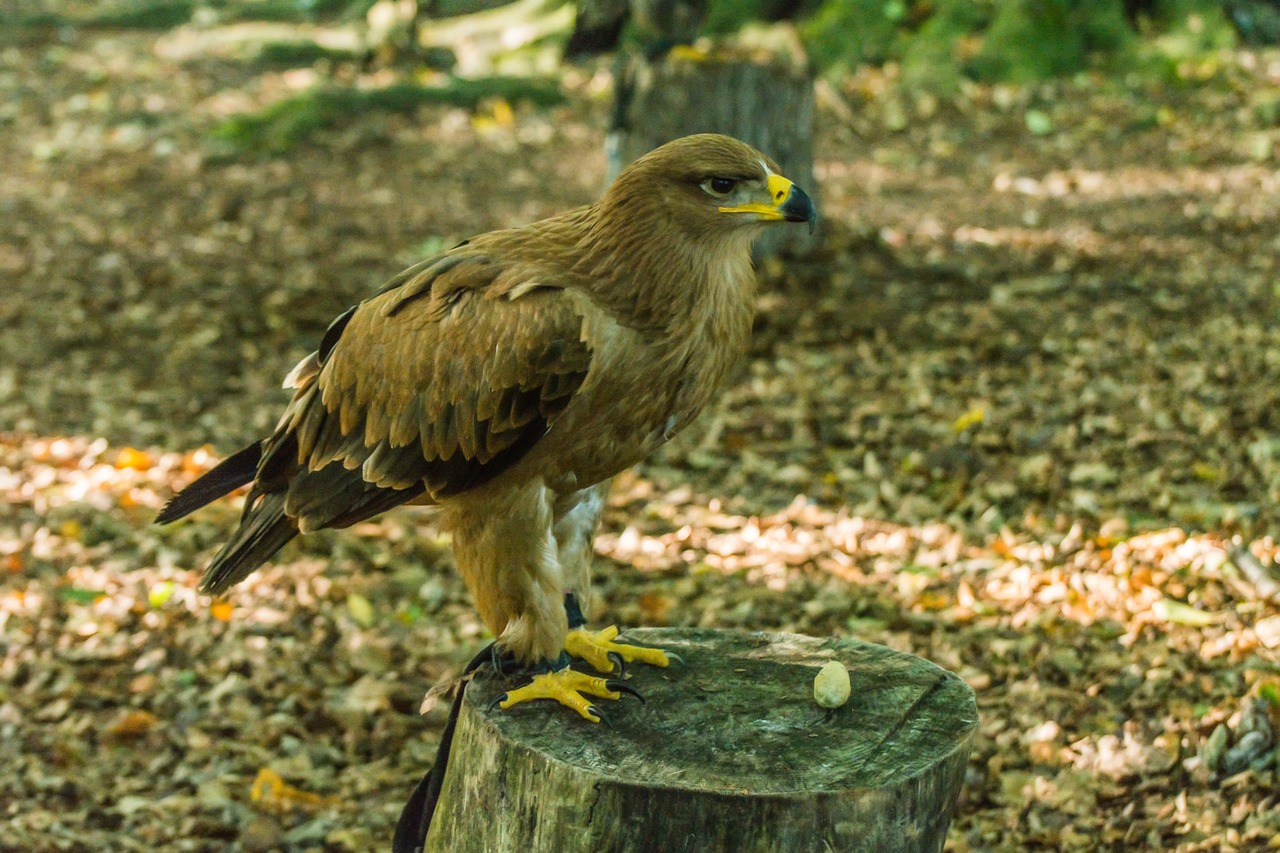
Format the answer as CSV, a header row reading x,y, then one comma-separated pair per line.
x,y
466,420
446,434
441,380
329,440
438,384
306,422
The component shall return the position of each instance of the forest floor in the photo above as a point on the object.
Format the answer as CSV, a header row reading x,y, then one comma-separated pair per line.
x,y
1020,415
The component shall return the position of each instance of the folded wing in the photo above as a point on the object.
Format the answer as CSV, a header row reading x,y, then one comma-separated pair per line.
x,y
438,384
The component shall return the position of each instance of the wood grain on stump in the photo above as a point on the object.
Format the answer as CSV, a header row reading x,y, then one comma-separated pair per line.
x,y
731,752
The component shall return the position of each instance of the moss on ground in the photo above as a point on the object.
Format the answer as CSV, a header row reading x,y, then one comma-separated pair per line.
x,y
285,124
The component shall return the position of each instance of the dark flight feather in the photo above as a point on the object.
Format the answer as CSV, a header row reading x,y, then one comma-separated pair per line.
x,y
264,531
228,475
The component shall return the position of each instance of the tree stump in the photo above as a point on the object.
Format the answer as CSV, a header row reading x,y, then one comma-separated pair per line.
x,y
766,101
730,752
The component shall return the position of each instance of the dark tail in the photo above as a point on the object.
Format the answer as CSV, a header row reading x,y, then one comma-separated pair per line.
x,y
264,527
229,474
264,530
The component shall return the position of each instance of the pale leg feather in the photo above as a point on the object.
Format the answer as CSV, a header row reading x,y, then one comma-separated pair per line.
x,y
576,517
506,552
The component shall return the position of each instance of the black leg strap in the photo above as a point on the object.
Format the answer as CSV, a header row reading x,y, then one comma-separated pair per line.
x,y
573,611
415,819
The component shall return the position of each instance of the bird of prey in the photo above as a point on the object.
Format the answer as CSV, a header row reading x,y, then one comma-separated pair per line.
x,y
506,381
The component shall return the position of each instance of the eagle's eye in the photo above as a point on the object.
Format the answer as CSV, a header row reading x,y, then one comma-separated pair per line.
x,y
719,186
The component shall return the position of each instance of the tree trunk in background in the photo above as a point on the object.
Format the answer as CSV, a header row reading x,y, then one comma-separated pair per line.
x,y
765,100
730,752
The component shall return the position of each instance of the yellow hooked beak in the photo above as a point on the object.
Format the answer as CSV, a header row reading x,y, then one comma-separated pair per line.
x,y
787,202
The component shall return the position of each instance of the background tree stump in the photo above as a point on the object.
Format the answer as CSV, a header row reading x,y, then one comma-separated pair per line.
x,y
730,753
763,98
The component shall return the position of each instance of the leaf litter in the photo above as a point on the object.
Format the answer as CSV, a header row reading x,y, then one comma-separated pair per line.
x,y
1017,416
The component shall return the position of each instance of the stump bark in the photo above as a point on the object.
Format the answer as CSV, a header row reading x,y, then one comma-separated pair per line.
x,y
766,101
730,752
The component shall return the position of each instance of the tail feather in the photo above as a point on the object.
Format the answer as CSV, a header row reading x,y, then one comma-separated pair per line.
x,y
264,531
228,475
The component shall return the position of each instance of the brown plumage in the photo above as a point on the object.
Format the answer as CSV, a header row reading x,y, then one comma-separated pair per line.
x,y
508,379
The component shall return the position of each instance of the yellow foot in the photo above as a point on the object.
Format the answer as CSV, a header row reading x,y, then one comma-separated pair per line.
x,y
598,649
566,686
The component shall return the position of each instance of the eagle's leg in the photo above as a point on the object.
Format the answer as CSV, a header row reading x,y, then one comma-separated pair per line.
x,y
508,552
577,514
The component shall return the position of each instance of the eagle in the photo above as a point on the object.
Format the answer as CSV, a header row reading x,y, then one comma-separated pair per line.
x,y
506,381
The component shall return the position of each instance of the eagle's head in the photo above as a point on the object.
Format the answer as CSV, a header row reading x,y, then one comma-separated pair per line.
x,y
706,186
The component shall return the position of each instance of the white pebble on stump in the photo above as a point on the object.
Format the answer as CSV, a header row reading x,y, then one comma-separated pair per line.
x,y
730,752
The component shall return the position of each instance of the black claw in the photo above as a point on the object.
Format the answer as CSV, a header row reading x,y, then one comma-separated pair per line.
x,y
496,702
622,687
619,663
604,718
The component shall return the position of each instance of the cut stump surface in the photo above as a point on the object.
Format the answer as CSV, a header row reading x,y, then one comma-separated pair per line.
x,y
730,752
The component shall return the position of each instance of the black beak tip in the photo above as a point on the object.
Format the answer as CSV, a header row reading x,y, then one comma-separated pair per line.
x,y
799,208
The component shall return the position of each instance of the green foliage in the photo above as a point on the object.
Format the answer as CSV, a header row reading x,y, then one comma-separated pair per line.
x,y
166,14
845,33
728,16
1258,21
156,15
1036,39
280,126
1187,31
940,42
292,11
283,125
1174,14
12,20
281,11
297,54
933,60
76,595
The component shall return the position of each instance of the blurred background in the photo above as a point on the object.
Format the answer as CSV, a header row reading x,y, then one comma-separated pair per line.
x,y
1014,409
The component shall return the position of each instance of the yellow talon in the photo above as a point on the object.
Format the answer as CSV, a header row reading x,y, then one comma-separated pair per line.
x,y
565,686
570,687
596,647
